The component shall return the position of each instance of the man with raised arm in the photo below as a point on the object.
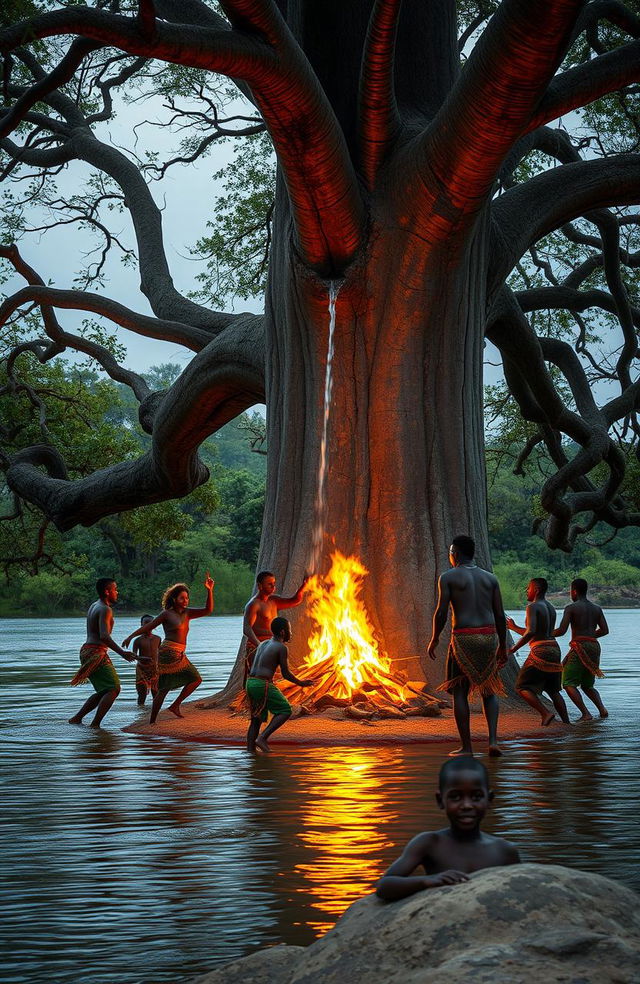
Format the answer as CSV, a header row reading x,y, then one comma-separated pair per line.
x,y
582,662
95,664
260,612
478,648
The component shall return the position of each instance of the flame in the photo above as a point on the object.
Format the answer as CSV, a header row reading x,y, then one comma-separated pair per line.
x,y
344,656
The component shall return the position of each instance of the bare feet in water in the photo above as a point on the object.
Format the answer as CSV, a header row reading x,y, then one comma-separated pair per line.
x,y
262,745
547,719
495,751
175,709
586,717
75,720
461,751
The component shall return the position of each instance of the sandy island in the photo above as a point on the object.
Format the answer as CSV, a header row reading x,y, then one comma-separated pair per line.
x,y
219,726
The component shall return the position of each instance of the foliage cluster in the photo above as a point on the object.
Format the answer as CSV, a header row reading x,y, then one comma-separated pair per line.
x,y
611,566
216,528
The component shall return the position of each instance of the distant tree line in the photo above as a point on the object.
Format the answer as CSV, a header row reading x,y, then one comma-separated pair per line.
x,y
611,566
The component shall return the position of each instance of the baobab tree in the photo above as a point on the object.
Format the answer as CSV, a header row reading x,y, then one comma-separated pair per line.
x,y
413,178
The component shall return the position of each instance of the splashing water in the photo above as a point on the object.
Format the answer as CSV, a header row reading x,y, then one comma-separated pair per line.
x,y
320,504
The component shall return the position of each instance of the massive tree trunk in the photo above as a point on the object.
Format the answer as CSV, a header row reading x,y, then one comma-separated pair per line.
x,y
405,463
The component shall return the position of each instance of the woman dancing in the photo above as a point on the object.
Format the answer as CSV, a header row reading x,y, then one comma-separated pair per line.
x,y
174,669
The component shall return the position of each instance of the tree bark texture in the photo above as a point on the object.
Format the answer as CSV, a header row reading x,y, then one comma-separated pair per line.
x,y
405,466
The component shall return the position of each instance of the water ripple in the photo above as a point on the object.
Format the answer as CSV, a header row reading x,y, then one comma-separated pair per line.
x,y
151,860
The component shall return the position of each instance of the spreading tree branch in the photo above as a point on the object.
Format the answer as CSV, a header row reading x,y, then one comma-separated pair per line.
x,y
379,121
61,74
80,143
529,211
563,298
60,339
220,382
587,82
487,110
310,145
81,300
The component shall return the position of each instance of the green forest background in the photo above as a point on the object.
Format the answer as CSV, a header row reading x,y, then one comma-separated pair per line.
x,y
217,528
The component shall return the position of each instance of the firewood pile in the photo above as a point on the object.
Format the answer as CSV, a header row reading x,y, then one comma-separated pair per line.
x,y
381,694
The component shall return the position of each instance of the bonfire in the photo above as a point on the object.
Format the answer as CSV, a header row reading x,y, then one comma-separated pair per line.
x,y
349,668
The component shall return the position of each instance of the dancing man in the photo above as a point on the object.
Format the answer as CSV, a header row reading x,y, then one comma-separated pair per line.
x,y
582,662
262,692
478,648
542,669
260,612
95,664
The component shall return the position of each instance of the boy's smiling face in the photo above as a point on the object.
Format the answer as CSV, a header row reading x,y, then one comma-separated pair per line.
x,y
465,799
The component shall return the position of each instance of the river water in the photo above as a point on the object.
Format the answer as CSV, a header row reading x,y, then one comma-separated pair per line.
x,y
135,859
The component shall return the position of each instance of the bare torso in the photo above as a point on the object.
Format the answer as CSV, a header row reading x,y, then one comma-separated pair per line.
x,y
584,618
175,626
97,610
267,659
260,613
442,851
471,591
146,647
541,619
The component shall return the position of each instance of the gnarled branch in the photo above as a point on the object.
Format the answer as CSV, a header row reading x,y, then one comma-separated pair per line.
x,y
379,121
527,212
220,382
328,210
582,85
489,106
569,492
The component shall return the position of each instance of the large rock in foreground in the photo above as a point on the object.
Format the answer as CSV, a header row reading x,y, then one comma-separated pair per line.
x,y
518,925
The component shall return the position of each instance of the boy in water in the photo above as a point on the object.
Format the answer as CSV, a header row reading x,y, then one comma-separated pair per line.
x,y
449,855
542,669
174,669
95,664
582,662
262,692
145,649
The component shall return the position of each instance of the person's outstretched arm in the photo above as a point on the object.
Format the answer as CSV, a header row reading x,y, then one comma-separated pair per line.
x,y
564,623
105,624
294,599
208,607
520,629
602,628
500,620
283,661
147,627
531,619
398,881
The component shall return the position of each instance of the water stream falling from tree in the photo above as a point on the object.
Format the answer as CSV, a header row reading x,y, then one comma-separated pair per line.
x,y
320,504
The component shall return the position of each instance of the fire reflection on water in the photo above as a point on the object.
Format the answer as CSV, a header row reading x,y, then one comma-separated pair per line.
x,y
344,823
